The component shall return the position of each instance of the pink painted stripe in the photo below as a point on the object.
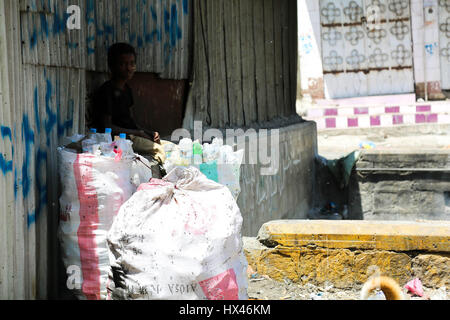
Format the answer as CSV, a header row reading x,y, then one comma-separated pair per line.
x,y
331,112
352,122
89,220
392,109
432,118
423,109
375,121
397,119
358,111
421,118
330,123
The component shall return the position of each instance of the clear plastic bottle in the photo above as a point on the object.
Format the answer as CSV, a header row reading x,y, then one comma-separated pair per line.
x,y
125,146
186,149
90,142
105,137
93,134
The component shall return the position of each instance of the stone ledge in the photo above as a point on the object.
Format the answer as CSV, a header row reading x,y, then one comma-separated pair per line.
x,y
429,236
344,268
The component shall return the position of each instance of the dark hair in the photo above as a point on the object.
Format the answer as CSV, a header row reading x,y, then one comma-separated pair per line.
x,y
118,49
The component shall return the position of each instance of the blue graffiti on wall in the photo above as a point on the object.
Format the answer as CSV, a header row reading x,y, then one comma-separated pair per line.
x,y
28,139
6,166
97,27
43,30
35,151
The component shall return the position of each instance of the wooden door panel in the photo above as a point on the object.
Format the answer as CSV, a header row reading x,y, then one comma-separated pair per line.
x,y
367,47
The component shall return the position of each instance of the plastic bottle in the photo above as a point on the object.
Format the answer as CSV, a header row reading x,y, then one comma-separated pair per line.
x,y
186,151
90,142
93,135
125,146
105,137
197,151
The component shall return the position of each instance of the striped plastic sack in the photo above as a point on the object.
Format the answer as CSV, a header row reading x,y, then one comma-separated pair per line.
x,y
93,190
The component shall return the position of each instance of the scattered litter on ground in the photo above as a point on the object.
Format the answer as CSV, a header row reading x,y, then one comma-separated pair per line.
x,y
268,289
367,145
415,287
330,212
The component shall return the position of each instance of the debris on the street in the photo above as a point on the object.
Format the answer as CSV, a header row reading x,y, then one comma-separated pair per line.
x,y
367,145
330,212
275,290
415,287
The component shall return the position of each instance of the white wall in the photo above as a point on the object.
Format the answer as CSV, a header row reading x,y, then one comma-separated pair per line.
x,y
309,44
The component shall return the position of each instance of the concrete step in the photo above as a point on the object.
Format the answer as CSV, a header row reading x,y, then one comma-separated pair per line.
x,y
346,253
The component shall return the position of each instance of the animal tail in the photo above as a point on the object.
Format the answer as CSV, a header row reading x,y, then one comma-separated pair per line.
x,y
389,286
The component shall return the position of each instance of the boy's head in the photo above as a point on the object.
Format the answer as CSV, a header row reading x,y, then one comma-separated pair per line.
x,y
122,61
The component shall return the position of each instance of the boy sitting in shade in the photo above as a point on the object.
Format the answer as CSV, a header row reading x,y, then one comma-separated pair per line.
x,y
113,101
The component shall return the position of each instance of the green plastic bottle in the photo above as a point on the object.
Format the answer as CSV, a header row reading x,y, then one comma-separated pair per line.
x,y
197,151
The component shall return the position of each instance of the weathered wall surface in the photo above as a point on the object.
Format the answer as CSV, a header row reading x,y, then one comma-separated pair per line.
x,y
159,30
289,193
401,186
244,62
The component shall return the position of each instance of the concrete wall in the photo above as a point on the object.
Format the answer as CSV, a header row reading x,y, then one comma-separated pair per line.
x,y
397,193
288,194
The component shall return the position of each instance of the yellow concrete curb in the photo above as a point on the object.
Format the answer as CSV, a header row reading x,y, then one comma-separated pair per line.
x,y
431,236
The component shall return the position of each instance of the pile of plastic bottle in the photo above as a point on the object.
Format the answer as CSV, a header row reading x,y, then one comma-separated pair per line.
x,y
102,144
217,161
189,152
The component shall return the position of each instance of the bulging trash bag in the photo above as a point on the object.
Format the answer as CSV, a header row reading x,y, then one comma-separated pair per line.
x,y
178,238
93,190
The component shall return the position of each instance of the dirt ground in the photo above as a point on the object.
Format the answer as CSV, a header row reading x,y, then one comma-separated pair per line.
x,y
264,288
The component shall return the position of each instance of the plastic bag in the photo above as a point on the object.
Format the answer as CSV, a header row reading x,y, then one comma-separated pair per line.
x,y
415,287
178,238
93,190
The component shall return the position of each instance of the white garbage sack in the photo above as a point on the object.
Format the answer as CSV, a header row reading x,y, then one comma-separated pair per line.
x,y
93,190
178,239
